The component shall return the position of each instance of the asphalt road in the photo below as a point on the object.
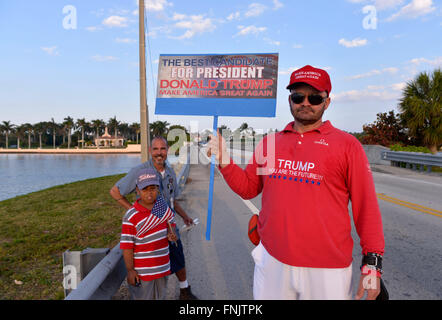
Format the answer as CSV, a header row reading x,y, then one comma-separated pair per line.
x,y
222,268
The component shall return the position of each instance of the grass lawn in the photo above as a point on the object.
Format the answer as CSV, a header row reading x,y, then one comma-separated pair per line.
x,y
36,229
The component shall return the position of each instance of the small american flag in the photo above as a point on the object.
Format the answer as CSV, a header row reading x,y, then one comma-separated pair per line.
x,y
160,213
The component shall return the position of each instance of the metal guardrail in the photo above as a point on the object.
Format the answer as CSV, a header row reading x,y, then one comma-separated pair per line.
x,y
413,159
105,279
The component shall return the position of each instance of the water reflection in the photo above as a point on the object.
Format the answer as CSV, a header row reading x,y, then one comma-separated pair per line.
x,y
24,173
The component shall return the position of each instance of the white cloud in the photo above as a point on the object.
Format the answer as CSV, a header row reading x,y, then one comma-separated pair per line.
x,y
288,70
195,24
375,72
395,86
414,9
155,31
272,42
255,10
399,86
291,69
52,51
93,29
297,46
380,4
153,5
391,70
364,95
277,4
152,34
436,62
375,87
234,16
125,40
156,5
100,58
353,43
178,16
115,21
243,31
387,4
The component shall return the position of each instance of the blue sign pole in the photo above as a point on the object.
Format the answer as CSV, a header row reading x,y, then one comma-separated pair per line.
x,y
212,178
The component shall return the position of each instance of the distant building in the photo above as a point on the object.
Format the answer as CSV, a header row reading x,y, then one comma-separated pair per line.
x,y
106,140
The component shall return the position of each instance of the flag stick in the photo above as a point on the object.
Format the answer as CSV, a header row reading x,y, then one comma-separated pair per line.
x,y
173,232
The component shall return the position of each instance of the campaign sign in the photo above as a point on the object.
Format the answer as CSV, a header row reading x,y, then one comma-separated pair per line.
x,y
238,85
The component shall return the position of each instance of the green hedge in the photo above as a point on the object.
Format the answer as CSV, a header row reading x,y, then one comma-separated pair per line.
x,y
398,147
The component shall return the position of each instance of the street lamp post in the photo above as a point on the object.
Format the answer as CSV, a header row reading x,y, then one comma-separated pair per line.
x,y
144,114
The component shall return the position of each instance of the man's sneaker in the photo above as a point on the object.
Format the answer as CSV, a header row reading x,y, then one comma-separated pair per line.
x,y
186,294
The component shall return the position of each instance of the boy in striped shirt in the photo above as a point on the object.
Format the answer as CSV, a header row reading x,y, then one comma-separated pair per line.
x,y
146,230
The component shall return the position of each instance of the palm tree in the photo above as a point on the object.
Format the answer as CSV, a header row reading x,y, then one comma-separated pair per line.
x,y
223,128
159,128
53,126
97,124
7,128
29,130
19,132
40,128
136,129
69,124
124,130
243,127
89,130
421,106
82,123
113,123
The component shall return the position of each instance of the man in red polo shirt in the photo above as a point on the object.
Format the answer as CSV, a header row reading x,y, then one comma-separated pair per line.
x,y
307,174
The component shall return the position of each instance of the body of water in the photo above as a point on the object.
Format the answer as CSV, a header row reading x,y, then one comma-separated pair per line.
x,y
25,173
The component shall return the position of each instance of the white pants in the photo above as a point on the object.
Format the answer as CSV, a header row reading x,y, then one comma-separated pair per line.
x,y
274,280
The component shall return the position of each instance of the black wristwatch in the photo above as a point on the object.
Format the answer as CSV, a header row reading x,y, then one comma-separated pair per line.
x,y
373,260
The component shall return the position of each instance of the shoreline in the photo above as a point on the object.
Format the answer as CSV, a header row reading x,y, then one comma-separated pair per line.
x,y
132,148
176,166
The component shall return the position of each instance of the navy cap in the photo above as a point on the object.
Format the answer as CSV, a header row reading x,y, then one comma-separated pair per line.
x,y
147,177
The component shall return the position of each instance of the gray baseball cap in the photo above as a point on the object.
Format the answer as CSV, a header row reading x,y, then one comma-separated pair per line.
x,y
147,177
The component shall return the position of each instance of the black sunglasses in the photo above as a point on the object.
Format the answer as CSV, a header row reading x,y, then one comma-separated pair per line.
x,y
314,99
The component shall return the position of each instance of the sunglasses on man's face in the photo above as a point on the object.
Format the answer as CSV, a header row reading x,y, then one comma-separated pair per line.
x,y
314,99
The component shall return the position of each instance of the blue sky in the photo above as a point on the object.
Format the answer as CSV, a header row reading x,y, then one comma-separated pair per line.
x,y
52,66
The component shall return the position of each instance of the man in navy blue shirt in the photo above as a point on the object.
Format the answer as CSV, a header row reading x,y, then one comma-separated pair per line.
x,y
169,190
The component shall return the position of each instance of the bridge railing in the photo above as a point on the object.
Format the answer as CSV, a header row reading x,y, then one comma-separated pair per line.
x,y
413,159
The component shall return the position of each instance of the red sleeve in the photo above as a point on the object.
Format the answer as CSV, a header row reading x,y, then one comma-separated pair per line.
x,y
246,183
365,207
128,233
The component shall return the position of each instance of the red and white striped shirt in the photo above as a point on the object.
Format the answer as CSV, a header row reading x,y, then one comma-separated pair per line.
x,y
150,245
